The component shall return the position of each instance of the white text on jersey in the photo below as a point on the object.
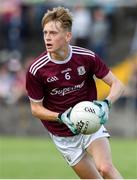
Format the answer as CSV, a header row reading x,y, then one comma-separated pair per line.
x,y
68,90
52,79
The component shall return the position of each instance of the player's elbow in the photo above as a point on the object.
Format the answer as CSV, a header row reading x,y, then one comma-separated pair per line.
x,y
121,87
35,111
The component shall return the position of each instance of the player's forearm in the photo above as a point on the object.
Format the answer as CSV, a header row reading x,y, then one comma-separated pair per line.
x,y
116,90
42,113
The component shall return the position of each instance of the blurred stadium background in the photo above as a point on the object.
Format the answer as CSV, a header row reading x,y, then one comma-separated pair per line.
x,y
108,27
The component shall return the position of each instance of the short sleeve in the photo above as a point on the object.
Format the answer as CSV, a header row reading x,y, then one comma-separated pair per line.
x,y
99,68
34,87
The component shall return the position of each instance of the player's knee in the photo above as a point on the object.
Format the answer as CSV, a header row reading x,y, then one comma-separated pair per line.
x,y
106,169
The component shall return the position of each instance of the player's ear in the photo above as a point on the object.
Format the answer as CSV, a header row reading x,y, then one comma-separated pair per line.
x,y
68,36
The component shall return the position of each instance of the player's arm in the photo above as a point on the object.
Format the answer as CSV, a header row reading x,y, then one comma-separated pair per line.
x,y
116,87
116,90
40,112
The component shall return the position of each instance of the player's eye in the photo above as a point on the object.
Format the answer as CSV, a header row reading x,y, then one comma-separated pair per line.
x,y
44,32
53,32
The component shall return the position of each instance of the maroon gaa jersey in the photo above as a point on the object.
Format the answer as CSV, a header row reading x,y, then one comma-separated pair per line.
x,y
62,84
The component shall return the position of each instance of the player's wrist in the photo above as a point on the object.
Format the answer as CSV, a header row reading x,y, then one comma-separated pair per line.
x,y
108,102
59,118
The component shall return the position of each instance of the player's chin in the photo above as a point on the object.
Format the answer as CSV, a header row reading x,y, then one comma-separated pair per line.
x,y
50,50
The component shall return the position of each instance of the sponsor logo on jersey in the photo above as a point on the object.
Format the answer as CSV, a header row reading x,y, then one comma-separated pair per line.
x,y
52,79
67,90
81,70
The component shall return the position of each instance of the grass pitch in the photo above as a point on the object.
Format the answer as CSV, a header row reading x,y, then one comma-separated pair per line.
x,y
37,158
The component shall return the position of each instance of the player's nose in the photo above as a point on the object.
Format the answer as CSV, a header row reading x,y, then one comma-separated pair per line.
x,y
47,37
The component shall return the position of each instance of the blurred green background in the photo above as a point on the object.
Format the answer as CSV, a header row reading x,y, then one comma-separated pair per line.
x,y
36,158
107,27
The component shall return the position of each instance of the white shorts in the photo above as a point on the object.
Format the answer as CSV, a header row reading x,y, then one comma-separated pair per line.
x,y
73,147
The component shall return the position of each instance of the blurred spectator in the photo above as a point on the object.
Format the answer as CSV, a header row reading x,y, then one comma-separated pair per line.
x,y
134,42
12,23
12,79
14,30
131,90
82,25
99,33
5,83
110,10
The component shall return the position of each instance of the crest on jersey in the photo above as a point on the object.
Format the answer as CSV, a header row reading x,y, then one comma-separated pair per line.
x,y
81,70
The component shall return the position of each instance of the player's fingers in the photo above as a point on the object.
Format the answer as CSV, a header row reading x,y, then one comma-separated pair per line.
x,y
73,129
103,120
101,113
68,110
97,103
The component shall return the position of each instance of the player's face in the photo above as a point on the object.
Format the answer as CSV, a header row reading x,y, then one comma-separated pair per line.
x,y
55,37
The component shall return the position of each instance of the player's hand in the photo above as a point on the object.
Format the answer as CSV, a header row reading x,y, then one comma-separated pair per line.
x,y
65,118
104,110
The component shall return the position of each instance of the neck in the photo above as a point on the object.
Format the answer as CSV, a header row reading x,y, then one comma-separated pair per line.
x,y
61,54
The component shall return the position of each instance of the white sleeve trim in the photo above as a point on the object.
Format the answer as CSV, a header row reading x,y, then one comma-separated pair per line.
x,y
36,100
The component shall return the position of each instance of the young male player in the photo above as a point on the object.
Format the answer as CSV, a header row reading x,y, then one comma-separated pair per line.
x,y
58,79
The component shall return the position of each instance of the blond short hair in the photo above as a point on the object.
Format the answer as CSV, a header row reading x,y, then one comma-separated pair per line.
x,y
61,14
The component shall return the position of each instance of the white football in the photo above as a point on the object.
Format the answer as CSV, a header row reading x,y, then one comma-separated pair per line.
x,y
85,118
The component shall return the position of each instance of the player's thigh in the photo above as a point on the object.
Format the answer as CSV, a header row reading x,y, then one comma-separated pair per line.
x,y
86,168
100,151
